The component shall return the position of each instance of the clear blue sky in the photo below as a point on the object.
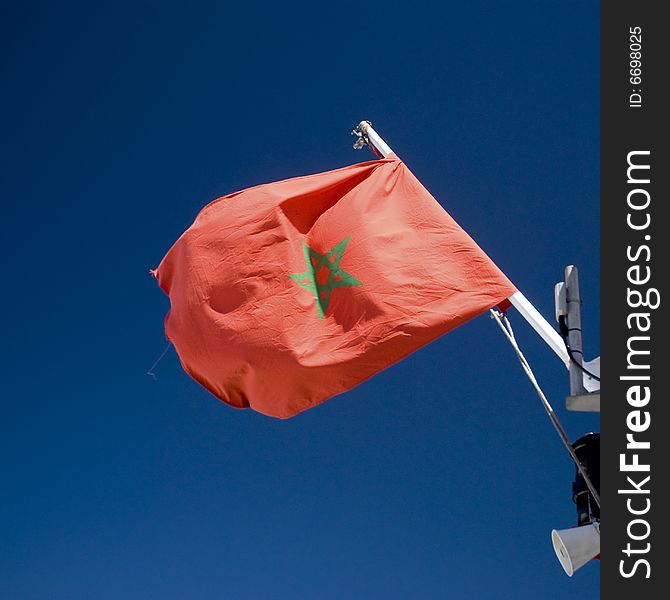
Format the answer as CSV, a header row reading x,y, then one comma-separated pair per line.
x,y
439,478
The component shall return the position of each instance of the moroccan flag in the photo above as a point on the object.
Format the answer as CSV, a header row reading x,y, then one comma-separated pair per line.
x,y
288,293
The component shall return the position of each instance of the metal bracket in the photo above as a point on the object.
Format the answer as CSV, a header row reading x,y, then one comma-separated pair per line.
x,y
363,139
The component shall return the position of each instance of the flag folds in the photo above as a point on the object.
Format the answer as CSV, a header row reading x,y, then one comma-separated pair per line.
x,y
286,294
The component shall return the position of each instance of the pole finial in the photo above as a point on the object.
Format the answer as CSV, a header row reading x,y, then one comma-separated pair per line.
x,y
360,131
367,136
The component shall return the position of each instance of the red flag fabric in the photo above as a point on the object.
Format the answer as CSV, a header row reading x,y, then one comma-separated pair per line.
x,y
286,294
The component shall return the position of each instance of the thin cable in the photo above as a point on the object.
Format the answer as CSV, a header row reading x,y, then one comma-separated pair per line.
x,y
578,364
563,329
150,372
506,328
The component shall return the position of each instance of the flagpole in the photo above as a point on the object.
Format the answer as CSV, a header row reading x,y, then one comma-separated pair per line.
x,y
541,326
368,136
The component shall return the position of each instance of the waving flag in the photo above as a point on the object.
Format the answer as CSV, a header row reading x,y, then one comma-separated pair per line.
x,y
286,294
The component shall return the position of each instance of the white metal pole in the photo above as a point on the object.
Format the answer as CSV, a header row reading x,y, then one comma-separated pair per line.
x,y
367,135
541,326
574,323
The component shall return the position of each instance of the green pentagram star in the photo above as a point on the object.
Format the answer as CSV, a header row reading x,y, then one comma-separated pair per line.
x,y
336,277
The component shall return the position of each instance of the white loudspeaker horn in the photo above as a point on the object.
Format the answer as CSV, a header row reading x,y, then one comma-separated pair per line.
x,y
576,546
